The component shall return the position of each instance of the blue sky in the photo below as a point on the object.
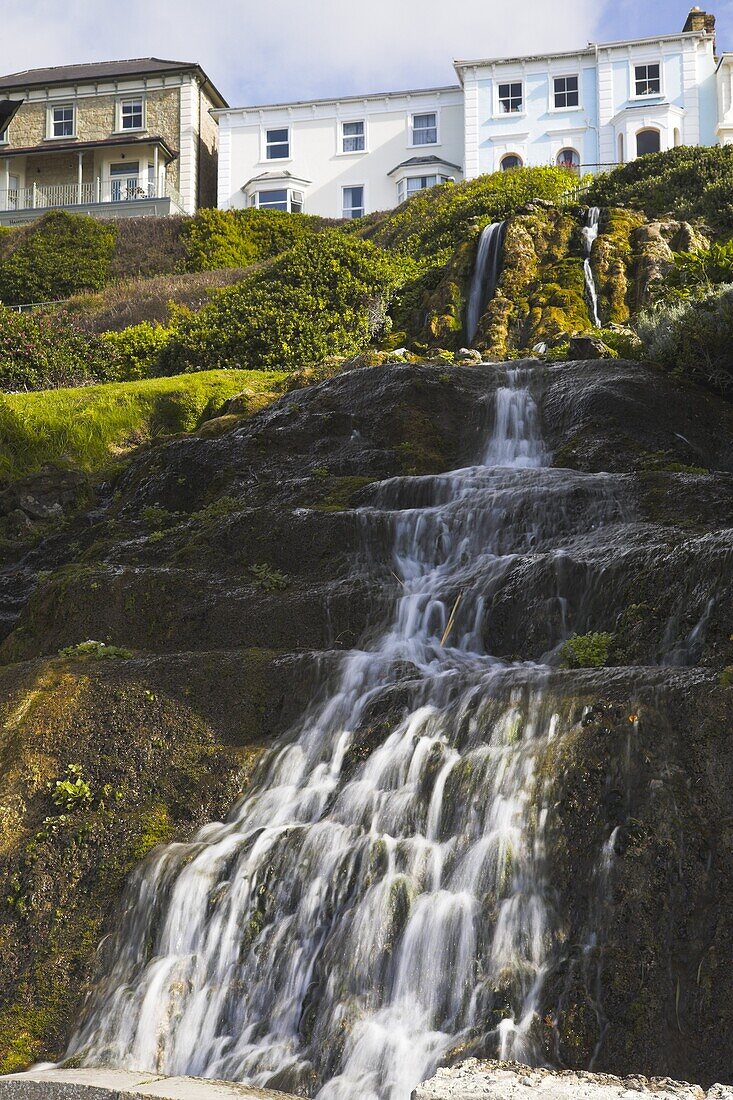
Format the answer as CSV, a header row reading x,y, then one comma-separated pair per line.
x,y
259,52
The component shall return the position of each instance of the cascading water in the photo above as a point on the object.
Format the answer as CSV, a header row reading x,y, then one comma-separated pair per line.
x,y
590,232
485,275
379,897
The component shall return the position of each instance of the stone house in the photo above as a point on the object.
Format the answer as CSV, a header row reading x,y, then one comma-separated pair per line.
x,y
111,139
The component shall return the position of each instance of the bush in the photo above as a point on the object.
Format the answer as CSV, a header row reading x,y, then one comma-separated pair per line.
x,y
55,257
134,352
689,182
430,226
43,352
699,270
586,650
694,338
239,238
326,296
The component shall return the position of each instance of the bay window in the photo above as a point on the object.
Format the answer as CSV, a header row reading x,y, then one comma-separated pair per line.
x,y
279,198
410,185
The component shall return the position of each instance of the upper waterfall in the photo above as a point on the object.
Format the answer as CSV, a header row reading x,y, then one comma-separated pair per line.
x,y
485,275
590,232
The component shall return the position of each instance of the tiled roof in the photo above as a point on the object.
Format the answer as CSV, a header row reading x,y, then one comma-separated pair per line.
x,y
420,162
50,147
101,70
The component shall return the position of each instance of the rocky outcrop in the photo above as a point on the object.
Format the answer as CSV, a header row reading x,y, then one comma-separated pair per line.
x,y
474,1080
115,1084
215,566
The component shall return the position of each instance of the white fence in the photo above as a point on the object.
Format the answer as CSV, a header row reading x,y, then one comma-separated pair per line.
x,y
115,189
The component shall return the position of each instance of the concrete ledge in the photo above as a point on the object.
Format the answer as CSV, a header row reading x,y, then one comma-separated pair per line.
x,y
118,1084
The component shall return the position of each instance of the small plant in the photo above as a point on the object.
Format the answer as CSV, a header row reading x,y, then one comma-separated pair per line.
x,y
73,792
587,650
321,472
96,651
268,578
155,516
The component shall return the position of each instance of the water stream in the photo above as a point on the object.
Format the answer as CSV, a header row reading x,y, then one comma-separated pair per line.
x,y
379,896
485,275
590,232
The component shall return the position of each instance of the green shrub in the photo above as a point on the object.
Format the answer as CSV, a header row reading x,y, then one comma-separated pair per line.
x,y
586,650
430,226
699,270
693,338
134,352
216,239
96,651
73,792
689,182
55,257
40,351
326,296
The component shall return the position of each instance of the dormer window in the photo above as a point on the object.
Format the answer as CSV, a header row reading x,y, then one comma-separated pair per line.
x,y
647,80
62,121
511,98
131,114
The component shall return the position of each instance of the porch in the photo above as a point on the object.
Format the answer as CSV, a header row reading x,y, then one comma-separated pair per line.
x,y
104,179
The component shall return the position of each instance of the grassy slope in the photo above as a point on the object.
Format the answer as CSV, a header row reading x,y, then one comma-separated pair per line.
x,y
88,426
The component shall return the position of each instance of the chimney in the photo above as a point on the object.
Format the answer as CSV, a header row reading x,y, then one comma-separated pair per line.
x,y
699,20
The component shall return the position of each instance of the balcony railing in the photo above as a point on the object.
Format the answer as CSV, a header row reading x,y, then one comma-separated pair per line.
x,y
114,190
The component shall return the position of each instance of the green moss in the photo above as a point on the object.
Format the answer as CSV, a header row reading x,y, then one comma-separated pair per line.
x,y
613,263
726,677
340,493
587,650
422,450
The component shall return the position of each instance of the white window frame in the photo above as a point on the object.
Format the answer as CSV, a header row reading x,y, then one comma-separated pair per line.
x,y
341,139
51,121
403,193
569,149
500,82
349,187
634,65
119,128
265,143
420,114
553,92
511,153
290,195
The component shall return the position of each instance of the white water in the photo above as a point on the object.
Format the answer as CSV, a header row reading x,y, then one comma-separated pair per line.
x,y
590,232
379,896
485,275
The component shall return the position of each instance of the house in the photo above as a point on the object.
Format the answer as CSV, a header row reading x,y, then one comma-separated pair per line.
x,y
593,108
587,109
111,139
340,157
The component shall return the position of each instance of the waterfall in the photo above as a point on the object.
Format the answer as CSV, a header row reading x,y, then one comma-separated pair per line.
x,y
485,275
590,232
379,897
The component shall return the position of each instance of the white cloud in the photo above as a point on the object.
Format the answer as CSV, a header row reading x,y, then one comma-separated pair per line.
x,y
269,50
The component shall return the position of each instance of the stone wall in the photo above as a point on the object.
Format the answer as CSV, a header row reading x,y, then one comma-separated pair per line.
x,y
208,154
96,118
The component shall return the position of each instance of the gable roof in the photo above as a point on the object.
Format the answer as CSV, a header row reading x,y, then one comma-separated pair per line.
x,y
105,70
8,107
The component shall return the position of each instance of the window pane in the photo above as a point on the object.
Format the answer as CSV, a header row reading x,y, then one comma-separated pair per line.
x,y
273,200
510,98
132,114
510,161
277,135
647,141
353,128
425,129
63,121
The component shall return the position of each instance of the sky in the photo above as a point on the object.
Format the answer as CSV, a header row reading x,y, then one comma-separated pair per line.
x,y
267,51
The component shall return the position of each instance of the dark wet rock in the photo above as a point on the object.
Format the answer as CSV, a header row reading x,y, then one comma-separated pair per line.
x,y
223,562
589,347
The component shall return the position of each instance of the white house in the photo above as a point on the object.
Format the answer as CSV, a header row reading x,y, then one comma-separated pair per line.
x,y
343,157
588,109
592,108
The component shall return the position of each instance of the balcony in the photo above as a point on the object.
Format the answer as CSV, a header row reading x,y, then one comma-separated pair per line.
x,y
115,197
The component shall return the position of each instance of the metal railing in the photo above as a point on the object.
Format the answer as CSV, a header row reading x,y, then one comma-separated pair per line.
x,y
112,190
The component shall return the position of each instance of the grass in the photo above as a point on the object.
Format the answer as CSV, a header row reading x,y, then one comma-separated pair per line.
x,y
90,426
147,299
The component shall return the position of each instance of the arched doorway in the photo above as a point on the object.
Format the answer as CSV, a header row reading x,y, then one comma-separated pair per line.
x,y
648,141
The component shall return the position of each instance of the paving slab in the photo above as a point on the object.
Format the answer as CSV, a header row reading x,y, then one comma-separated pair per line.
x,y
118,1084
